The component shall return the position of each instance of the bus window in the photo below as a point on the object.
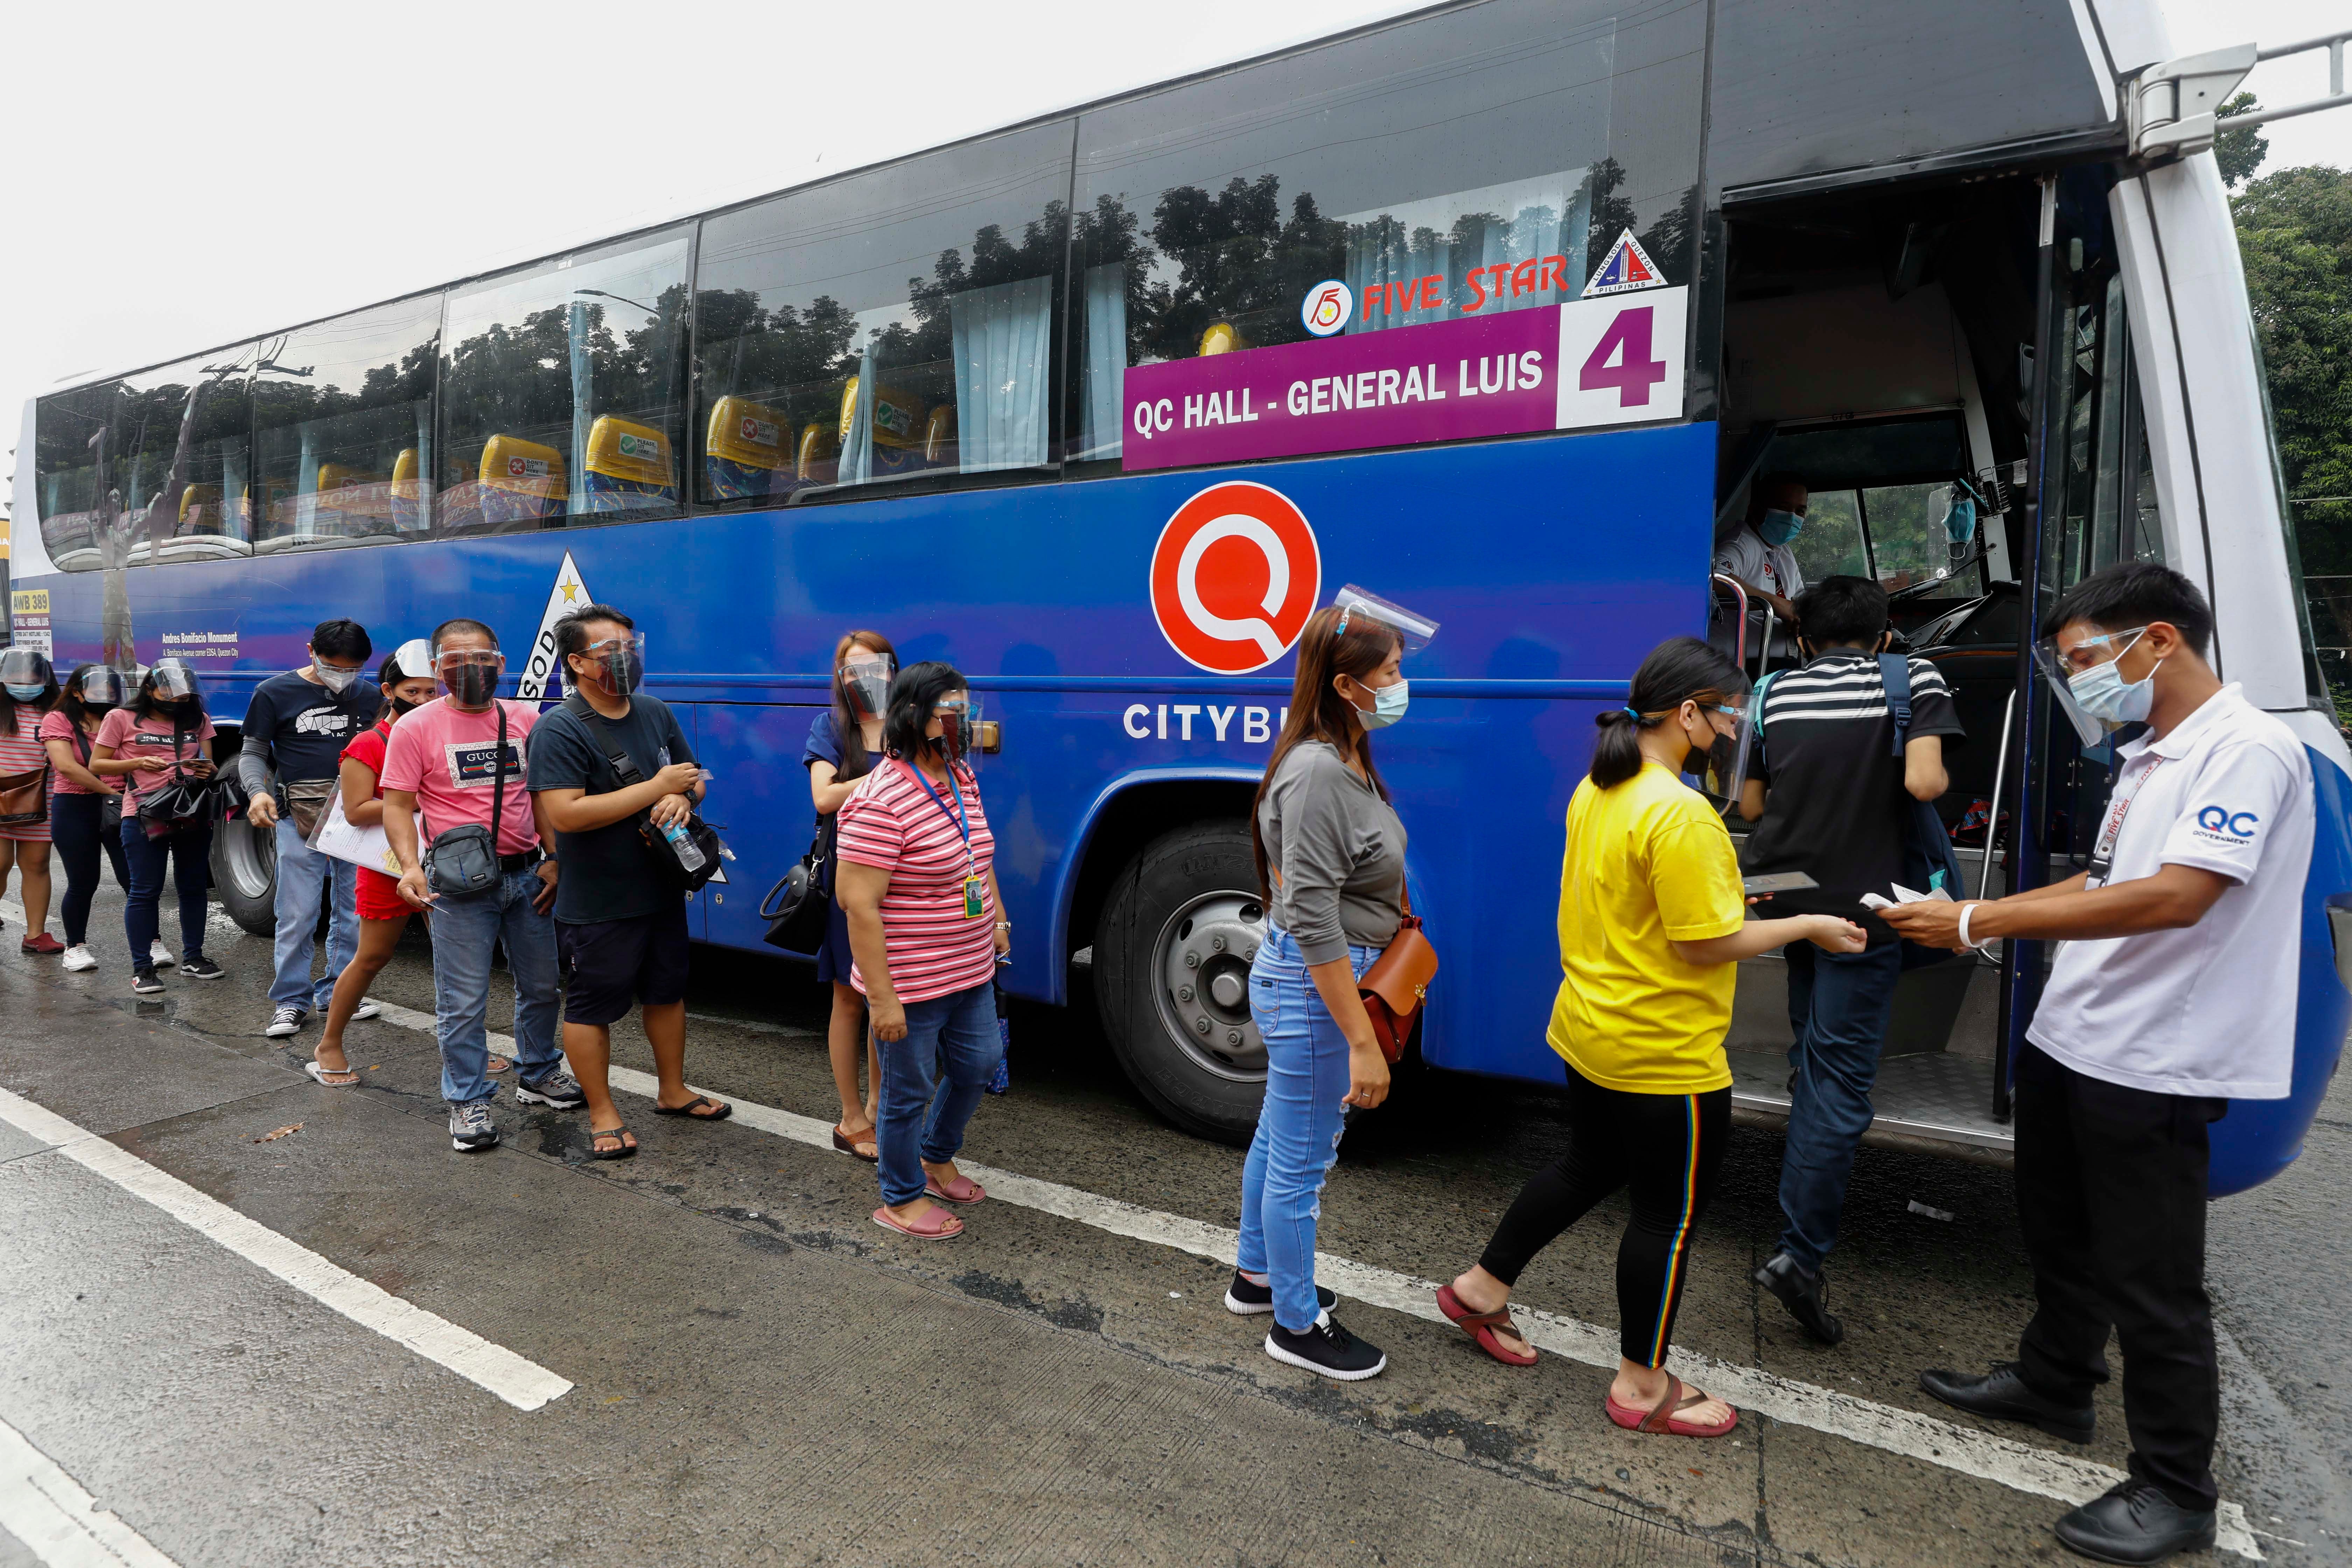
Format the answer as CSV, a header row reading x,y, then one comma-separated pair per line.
x,y
1830,545
2108,511
562,390
886,327
1488,159
1909,543
64,472
342,429
177,514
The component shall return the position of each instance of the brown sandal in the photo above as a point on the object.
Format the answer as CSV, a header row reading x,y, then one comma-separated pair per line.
x,y
1667,1417
847,1143
1488,1328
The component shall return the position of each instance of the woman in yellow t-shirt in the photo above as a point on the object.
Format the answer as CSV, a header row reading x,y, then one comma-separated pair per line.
x,y
1651,923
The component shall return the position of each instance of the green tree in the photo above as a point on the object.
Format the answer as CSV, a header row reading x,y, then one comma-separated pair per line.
x,y
2240,153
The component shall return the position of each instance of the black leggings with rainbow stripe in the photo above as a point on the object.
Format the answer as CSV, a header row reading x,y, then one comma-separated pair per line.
x,y
1666,1150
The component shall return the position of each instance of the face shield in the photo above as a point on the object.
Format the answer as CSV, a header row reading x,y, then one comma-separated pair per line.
x,y
620,660
959,716
24,671
1414,631
865,680
470,675
1722,768
2087,687
414,658
175,679
101,688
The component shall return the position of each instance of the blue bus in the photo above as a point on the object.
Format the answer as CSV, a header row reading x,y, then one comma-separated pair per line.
x,y
1498,308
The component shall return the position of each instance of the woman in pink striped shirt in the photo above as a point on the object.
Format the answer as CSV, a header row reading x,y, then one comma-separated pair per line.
x,y
917,878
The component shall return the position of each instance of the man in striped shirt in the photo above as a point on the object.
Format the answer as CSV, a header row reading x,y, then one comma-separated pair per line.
x,y
1835,798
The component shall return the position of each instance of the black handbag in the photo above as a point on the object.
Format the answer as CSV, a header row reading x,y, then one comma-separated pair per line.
x,y
798,907
674,864
465,859
182,804
109,810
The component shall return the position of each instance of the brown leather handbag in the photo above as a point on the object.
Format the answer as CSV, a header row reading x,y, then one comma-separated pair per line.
x,y
1397,983
25,797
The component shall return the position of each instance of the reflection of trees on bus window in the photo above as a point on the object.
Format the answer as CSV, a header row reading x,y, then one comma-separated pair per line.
x,y
897,325
1486,161
563,389
342,438
163,494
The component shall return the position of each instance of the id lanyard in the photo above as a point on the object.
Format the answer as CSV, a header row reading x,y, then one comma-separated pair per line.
x,y
974,884
2103,853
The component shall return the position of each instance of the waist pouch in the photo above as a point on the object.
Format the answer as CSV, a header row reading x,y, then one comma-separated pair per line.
x,y
25,797
307,802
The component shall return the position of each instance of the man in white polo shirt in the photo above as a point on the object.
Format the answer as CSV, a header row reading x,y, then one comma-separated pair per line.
x,y
2174,993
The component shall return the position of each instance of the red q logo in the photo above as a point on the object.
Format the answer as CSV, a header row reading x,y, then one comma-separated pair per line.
x,y
1235,577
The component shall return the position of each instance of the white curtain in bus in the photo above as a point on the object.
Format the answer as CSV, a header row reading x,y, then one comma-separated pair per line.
x,y
1105,364
1003,338
1449,238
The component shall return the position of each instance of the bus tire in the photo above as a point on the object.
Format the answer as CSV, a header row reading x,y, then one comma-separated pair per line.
x,y
1182,1033
244,873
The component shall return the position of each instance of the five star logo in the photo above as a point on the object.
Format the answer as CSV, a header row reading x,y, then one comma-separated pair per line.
x,y
539,673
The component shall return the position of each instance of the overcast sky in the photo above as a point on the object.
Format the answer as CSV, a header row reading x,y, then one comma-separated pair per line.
x,y
186,176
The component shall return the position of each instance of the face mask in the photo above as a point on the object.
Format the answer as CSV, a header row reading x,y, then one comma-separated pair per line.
x,y
1388,703
472,685
2104,694
335,680
867,687
399,707
1961,522
25,693
1777,526
957,728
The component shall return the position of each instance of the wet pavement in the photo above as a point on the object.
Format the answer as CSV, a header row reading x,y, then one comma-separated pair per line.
x,y
762,1374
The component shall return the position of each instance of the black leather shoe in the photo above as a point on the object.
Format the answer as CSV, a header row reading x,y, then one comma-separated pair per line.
x,y
2135,1522
2001,1394
1799,1290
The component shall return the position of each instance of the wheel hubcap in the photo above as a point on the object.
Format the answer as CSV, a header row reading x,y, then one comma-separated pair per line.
x,y
1202,963
249,857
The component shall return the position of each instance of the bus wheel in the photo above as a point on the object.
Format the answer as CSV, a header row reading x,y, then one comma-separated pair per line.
x,y
245,870
1173,956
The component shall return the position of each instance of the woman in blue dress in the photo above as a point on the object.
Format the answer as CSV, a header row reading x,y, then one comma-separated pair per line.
x,y
842,747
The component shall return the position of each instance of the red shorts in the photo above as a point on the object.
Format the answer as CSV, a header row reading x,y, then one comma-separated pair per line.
x,y
379,897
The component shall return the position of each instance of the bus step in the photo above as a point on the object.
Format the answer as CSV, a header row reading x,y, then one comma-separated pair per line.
x,y
1933,1101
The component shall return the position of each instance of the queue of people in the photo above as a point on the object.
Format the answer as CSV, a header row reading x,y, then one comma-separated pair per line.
x,y
539,834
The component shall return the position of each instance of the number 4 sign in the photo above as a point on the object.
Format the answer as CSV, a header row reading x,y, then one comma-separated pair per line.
x,y
1620,356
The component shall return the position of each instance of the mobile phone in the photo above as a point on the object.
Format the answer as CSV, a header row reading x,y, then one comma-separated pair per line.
x,y
1775,882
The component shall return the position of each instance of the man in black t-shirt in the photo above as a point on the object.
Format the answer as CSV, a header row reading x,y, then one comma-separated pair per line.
x,y
1836,801
299,723
620,930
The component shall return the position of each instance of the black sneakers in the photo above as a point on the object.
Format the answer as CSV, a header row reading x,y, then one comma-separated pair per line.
x,y
1328,1349
1246,1299
201,968
2135,1522
2002,1395
1799,1288
144,982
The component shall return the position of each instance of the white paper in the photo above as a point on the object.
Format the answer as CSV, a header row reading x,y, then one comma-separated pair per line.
x,y
1903,895
365,846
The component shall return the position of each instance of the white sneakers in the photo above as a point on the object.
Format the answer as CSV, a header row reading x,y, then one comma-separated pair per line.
x,y
161,957
79,958
369,1007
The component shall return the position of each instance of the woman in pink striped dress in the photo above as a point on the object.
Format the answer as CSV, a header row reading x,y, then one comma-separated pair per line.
x,y
29,686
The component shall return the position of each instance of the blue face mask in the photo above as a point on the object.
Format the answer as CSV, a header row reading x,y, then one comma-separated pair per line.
x,y
1961,522
1388,703
2104,694
25,693
1777,526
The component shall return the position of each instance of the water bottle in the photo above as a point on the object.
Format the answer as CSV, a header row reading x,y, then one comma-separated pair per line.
x,y
689,854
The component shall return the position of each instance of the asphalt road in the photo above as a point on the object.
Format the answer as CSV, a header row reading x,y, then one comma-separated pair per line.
x,y
758,1374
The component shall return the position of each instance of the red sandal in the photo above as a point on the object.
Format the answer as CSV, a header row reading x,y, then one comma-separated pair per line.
x,y
1679,1396
1481,1326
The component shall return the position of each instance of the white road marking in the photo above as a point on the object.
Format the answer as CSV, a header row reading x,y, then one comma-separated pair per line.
x,y
523,1384
2004,1461
62,1524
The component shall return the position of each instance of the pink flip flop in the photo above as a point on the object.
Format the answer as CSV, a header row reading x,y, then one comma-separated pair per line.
x,y
965,1191
936,1225
1483,1326
1679,1396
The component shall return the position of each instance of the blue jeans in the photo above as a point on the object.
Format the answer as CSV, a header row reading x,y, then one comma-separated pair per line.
x,y
1838,1003
1298,1137
304,877
959,1027
190,856
464,931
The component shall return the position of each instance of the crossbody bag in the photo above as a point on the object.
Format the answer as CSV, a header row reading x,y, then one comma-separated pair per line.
x,y
465,858
109,810
182,804
683,863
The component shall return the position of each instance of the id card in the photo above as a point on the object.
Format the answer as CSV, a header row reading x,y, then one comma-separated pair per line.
x,y
975,902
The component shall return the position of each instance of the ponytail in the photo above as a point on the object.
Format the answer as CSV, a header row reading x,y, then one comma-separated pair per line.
x,y
1677,671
